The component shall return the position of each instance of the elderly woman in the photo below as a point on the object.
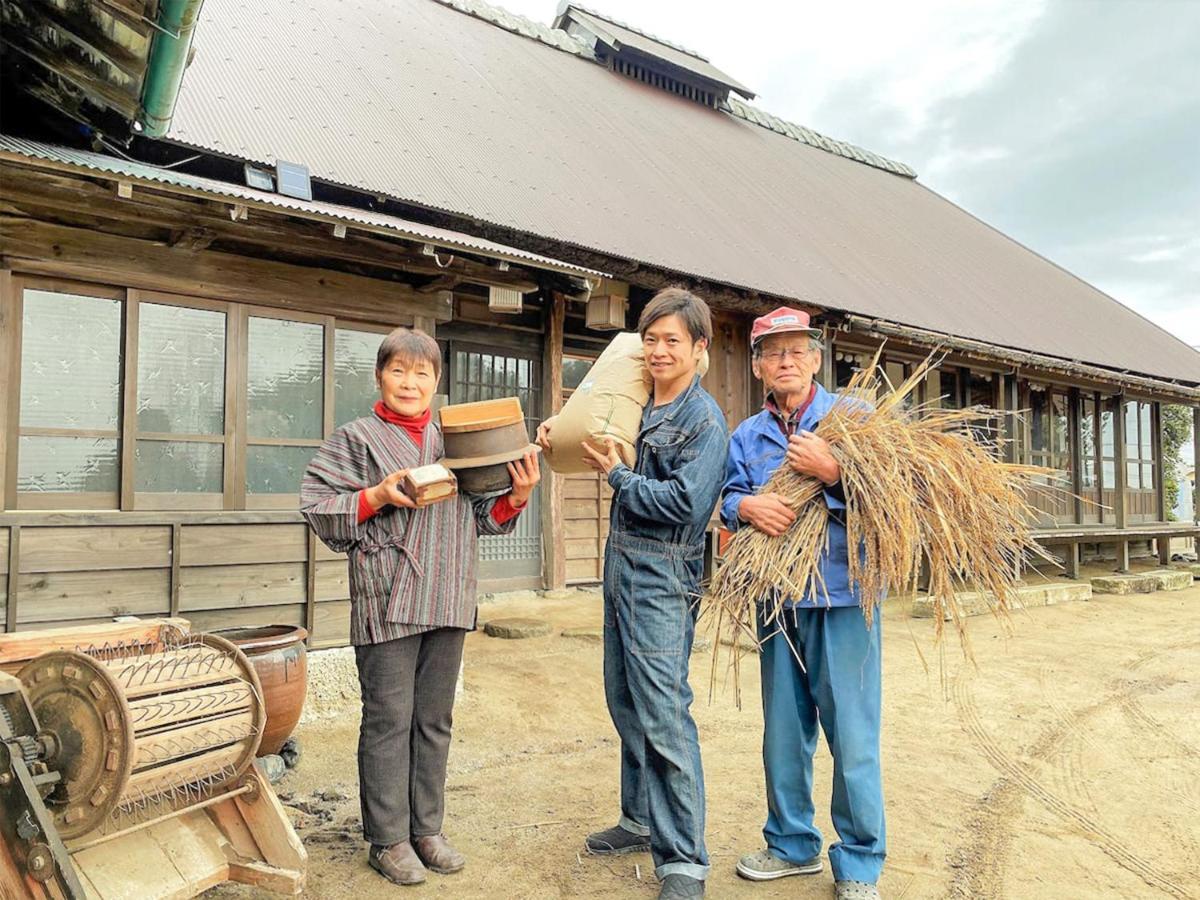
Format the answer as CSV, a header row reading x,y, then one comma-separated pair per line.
x,y
412,599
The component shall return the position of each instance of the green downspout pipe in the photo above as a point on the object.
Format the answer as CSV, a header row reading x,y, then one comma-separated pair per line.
x,y
174,27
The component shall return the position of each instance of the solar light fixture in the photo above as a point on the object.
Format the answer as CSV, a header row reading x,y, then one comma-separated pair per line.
x,y
259,178
293,180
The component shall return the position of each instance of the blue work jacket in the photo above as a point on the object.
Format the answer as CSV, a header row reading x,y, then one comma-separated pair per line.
x,y
670,493
756,450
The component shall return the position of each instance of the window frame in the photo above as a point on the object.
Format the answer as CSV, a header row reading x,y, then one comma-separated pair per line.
x,y
253,501
234,439
131,498
58,500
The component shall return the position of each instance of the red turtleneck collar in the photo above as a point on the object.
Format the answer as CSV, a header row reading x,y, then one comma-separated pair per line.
x,y
414,425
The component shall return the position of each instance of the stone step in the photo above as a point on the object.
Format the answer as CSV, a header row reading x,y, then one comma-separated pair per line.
x,y
1143,582
516,628
973,603
1193,567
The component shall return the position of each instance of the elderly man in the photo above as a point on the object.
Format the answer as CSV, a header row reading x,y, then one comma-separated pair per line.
x,y
836,679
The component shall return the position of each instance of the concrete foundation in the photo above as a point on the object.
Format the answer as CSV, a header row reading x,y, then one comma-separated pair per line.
x,y
1143,582
1192,567
973,603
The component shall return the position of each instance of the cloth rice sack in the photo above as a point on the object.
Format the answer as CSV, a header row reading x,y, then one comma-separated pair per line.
x,y
607,405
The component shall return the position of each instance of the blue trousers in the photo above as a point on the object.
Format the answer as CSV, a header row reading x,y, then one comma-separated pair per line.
x,y
840,690
649,623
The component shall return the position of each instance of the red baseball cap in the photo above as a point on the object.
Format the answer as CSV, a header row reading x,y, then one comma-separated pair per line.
x,y
779,321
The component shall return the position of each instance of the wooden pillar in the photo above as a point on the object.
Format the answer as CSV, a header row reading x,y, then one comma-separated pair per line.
x,y
1071,561
1008,403
1074,444
1122,479
10,376
554,547
14,567
1160,464
826,375
1121,464
1196,473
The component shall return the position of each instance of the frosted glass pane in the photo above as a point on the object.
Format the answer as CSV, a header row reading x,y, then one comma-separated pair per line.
x,y
574,371
175,467
276,470
284,391
70,361
354,391
74,464
1131,430
1147,434
181,370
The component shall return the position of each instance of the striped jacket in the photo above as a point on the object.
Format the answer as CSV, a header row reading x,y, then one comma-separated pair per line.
x,y
410,570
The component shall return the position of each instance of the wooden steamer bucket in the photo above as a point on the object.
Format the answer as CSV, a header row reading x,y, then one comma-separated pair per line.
x,y
481,439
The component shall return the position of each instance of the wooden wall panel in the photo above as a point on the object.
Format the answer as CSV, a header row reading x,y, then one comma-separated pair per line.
x,y
79,549
210,545
226,587
211,620
65,596
332,581
331,627
729,376
324,552
579,570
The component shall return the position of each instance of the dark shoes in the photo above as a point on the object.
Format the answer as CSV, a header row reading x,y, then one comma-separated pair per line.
x,y
398,863
679,887
437,854
615,841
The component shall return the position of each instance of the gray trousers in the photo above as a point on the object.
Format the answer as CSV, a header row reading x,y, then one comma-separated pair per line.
x,y
404,741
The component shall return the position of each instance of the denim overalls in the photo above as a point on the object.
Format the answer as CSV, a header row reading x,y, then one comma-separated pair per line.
x,y
652,567
840,690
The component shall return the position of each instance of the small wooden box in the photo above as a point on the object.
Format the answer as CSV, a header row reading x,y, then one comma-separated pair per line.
x,y
429,484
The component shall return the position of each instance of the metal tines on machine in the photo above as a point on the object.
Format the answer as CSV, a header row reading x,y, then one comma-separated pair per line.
x,y
113,751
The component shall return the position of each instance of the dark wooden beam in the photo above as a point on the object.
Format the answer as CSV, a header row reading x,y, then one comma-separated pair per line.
x,y
56,250
1122,479
1074,438
554,548
89,201
85,80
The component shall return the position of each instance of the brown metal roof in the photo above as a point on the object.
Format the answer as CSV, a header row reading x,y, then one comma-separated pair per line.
x,y
414,99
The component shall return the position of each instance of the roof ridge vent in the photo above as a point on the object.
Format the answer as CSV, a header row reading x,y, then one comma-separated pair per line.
x,y
649,59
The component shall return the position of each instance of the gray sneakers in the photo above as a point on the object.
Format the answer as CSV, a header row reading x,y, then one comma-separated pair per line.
x,y
855,890
766,866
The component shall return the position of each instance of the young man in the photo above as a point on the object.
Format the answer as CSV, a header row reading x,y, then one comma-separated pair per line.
x,y
837,679
652,568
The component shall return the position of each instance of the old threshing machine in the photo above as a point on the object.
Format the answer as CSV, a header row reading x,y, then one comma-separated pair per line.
x,y
127,770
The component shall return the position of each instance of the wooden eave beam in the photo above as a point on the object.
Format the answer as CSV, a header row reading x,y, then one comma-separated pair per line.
x,y
55,249
63,189
87,81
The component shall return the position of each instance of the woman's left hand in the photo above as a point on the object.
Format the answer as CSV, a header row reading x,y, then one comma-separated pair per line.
x,y
525,474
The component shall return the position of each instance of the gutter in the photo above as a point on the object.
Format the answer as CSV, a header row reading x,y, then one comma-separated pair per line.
x,y
174,28
1188,394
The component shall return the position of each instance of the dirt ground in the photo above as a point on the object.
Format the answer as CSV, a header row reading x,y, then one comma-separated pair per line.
x,y
1065,765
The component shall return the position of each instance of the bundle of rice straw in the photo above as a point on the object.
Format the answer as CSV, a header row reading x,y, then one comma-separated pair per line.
x,y
920,483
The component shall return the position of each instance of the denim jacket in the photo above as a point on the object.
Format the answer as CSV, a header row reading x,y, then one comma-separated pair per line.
x,y
669,495
756,450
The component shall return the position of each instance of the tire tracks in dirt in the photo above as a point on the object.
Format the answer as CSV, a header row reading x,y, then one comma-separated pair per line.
x,y
996,848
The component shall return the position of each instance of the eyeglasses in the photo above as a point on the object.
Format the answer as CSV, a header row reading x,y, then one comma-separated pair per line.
x,y
774,357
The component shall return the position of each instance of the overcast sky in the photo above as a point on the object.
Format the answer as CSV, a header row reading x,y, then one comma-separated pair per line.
x,y
1071,125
